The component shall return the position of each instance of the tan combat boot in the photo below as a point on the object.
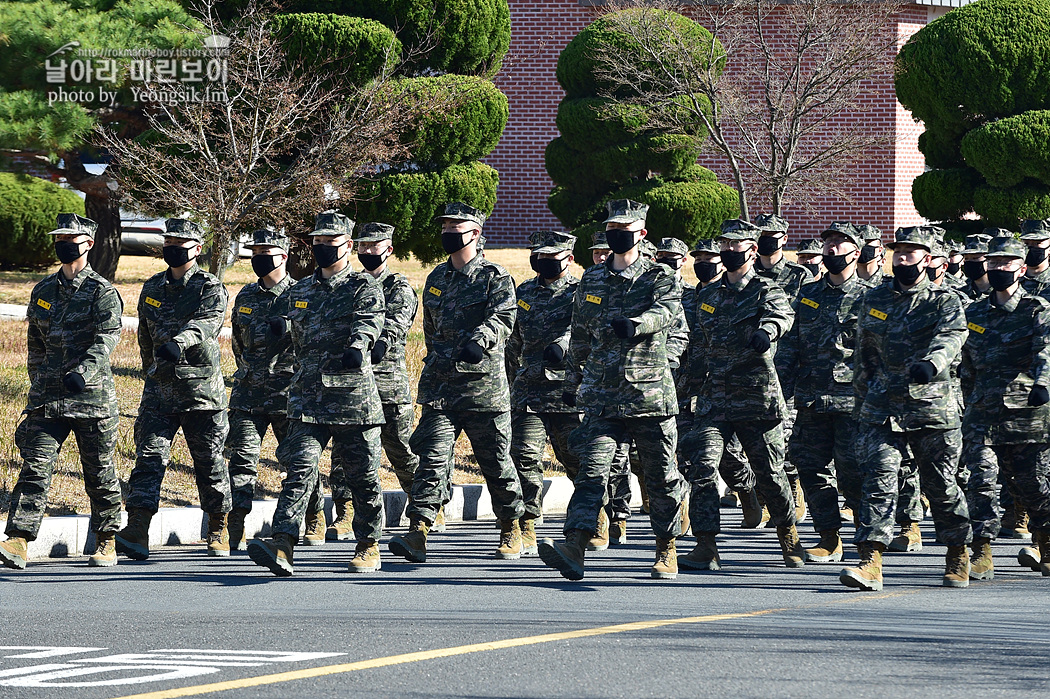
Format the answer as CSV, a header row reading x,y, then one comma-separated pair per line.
x,y
910,539
666,565
868,575
342,528
600,540
618,532
1015,523
235,529
315,533
828,550
981,567
566,557
440,524
133,539
14,552
799,498
528,537
791,546
704,555
412,545
751,508
218,535
366,557
275,555
105,554
1042,538
509,540
956,567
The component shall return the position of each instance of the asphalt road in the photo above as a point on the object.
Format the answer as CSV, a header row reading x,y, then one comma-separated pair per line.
x,y
183,620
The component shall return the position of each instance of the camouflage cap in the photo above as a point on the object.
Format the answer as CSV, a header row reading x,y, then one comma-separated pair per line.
x,y
71,224
977,244
846,229
913,235
938,249
706,245
373,232
813,246
771,223
626,211
183,228
673,246
1007,246
869,233
647,249
458,211
551,242
481,244
333,223
1035,229
936,232
599,241
738,229
268,237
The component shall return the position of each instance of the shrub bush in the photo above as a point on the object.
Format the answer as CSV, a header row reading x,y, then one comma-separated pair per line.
x,y
28,207
1006,208
468,131
942,195
362,47
1010,150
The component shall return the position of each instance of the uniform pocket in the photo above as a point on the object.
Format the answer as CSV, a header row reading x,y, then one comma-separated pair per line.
x,y
643,374
185,371
349,380
1015,395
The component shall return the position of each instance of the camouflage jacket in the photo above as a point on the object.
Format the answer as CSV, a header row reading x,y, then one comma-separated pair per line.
x,y
391,373
1007,353
974,293
632,377
895,330
1039,285
473,303
73,326
680,366
815,362
264,361
544,317
789,276
328,317
188,312
733,382
880,277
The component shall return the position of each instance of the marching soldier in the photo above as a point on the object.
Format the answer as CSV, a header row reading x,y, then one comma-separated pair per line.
x,y
973,265
1036,235
872,256
811,256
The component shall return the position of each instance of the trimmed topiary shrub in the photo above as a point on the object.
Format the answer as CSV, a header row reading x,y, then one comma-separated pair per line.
x,y
361,47
1006,208
28,207
1012,149
943,195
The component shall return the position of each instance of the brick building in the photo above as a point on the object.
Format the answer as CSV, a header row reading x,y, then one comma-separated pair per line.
x,y
540,29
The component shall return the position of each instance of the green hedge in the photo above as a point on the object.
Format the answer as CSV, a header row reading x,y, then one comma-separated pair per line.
x,y
1006,208
582,124
1010,150
362,47
594,172
941,148
410,201
467,131
28,207
943,195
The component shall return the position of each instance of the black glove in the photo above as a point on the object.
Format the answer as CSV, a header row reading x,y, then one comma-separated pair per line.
x,y
553,353
922,372
75,383
352,358
759,341
1039,396
278,326
569,398
623,327
378,351
170,351
471,353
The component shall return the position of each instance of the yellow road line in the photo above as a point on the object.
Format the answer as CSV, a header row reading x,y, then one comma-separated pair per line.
x,y
471,648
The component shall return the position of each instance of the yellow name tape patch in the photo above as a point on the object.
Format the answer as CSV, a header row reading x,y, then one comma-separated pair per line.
x,y
811,303
594,299
301,304
434,290
43,304
878,314
706,307
524,305
244,309
152,302
976,328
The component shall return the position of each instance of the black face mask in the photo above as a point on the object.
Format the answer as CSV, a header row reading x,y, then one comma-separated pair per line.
x,y
327,255
932,273
705,271
953,267
673,263
907,274
973,269
1001,279
1035,257
532,262
264,264
836,264
813,269
67,251
175,256
452,242
868,253
371,262
619,240
732,260
550,268
768,245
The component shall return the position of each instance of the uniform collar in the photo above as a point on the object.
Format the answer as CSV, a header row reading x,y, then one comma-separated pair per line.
x,y
469,270
194,269
278,288
556,285
77,279
845,286
923,284
336,279
633,271
744,281
1011,303
382,275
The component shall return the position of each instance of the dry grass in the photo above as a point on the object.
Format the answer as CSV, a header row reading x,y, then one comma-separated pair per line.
x,y
178,489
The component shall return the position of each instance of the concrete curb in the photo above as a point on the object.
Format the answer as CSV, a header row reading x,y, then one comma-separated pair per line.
x,y
12,311
60,537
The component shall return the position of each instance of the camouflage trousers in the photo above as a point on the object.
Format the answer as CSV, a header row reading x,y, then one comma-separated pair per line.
x,y
393,435
530,433
982,488
619,488
789,428
1027,467
39,440
880,452
763,443
434,441
597,441
733,466
822,447
909,492
205,432
357,449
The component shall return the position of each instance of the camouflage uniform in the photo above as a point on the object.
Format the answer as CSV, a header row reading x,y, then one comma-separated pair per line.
x,y
538,411
189,393
871,234
1036,284
73,326
896,330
